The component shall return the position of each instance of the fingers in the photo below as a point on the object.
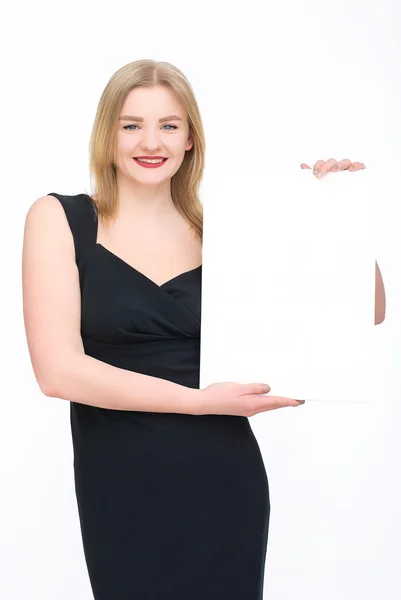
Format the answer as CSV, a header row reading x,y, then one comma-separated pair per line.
x,y
257,389
357,166
262,404
344,164
321,167
273,402
289,401
328,165
318,166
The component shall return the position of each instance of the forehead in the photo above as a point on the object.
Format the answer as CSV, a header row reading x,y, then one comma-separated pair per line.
x,y
148,101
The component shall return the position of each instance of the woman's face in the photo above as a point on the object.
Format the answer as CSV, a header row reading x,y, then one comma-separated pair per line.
x,y
152,123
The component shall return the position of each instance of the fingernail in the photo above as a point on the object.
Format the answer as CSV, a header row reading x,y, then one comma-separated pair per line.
x,y
335,167
319,174
351,168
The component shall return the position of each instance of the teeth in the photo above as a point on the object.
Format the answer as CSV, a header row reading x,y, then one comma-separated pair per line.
x,y
152,161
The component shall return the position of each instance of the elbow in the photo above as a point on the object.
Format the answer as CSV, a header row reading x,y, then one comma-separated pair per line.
x,y
48,389
49,383
54,376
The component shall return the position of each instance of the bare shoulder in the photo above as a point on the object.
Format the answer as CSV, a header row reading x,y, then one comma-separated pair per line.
x,y
51,293
44,211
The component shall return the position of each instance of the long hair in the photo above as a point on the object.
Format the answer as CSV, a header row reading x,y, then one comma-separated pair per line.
x,y
186,181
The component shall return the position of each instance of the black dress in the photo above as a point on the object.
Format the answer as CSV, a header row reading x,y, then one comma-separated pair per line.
x,y
171,506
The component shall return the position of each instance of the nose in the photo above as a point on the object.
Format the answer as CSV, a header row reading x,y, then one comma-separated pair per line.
x,y
150,140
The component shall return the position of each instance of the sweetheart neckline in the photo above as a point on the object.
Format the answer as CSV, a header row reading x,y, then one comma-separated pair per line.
x,y
160,286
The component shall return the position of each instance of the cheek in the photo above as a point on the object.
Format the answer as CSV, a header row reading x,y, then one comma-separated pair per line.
x,y
125,143
178,145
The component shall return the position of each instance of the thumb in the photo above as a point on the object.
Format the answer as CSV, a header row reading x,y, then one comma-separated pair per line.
x,y
257,388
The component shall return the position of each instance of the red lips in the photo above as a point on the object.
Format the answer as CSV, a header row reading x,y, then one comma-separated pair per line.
x,y
151,165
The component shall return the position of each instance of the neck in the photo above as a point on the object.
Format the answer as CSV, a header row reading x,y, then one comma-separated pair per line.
x,y
142,199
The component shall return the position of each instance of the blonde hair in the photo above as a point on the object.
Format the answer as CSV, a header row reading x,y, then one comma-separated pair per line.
x,y
185,183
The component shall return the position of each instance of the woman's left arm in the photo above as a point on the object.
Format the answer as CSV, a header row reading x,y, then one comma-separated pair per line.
x,y
380,298
320,169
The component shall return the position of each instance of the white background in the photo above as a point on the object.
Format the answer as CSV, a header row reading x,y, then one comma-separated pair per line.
x,y
287,82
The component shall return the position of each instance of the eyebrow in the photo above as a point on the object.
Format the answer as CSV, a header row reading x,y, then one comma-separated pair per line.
x,y
140,119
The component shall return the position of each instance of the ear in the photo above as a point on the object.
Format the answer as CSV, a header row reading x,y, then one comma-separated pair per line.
x,y
190,143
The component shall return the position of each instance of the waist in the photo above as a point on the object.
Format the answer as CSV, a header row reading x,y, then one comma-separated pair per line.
x,y
173,359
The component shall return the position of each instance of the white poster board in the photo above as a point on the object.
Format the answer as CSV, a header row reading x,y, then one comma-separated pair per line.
x,y
288,282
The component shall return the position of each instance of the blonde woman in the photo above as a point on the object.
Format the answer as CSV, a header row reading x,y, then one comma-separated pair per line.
x,y
171,487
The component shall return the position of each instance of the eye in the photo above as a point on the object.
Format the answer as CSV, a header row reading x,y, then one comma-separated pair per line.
x,y
127,127
173,126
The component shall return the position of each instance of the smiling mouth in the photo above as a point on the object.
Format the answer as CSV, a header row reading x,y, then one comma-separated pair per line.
x,y
151,161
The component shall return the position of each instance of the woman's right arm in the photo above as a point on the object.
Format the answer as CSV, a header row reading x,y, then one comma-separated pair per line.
x,y
52,316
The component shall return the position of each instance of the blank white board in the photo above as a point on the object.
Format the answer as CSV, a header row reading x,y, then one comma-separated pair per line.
x,y
288,282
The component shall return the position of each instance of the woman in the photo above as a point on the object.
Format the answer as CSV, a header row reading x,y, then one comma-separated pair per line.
x,y
171,488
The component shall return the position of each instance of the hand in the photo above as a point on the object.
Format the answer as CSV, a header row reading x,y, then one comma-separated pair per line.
x,y
321,167
241,399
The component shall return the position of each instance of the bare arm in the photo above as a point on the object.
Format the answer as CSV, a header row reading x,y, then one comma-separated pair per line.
x,y
380,298
52,316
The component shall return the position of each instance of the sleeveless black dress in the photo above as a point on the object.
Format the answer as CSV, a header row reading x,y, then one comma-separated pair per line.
x,y
171,506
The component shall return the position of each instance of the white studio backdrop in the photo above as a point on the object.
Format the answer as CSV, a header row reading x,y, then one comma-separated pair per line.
x,y
285,84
